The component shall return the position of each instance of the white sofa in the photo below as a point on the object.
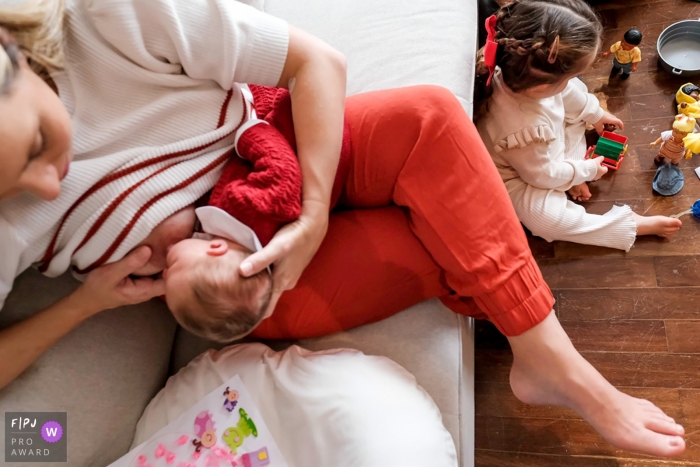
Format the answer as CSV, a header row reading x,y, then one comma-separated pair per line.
x,y
388,43
392,43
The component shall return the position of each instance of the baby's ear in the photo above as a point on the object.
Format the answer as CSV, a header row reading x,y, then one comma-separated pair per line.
x,y
217,247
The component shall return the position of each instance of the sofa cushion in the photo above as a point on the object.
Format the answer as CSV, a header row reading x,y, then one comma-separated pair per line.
x,y
392,43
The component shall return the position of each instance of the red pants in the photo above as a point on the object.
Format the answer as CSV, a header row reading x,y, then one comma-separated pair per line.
x,y
427,216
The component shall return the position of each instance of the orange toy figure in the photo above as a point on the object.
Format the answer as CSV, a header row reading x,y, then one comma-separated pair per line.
x,y
627,54
678,142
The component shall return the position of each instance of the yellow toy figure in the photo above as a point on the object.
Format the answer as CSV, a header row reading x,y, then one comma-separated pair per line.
x,y
679,142
627,54
687,99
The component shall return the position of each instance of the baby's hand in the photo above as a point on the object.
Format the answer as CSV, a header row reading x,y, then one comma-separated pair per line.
x,y
608,119
601,170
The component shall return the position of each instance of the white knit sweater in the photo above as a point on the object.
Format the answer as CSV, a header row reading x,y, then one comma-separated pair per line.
x,y
150,86
526,136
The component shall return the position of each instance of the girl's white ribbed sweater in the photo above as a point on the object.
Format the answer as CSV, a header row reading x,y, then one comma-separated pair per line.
x,y
151,89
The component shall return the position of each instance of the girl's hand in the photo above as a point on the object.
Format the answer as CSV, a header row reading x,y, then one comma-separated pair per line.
x,y
290,250
601,170
110,286
608,119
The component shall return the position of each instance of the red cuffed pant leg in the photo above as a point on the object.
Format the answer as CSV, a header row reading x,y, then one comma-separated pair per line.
x,y
416,147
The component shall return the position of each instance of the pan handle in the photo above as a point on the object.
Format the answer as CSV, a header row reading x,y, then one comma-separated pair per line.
x,y
676,71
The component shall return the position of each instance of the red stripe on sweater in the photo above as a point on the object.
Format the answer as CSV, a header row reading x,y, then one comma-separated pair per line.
x,y
224,108
50,250
114,204
125,231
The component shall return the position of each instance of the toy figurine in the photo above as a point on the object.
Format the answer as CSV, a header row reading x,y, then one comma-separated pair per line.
x,y
687,98
627,54
678,142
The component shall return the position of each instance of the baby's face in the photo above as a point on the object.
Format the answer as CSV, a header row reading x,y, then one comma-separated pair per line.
x,y
195,254
174,229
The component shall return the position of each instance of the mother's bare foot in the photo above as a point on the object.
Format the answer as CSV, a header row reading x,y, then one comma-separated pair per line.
x,y
548,370
580,192
657,225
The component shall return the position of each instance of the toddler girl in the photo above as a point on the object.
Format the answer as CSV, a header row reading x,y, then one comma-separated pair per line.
x,y
534,121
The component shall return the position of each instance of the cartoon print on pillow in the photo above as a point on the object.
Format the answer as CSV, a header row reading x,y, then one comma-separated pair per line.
x,y
234,436
259,458
231,399
205,431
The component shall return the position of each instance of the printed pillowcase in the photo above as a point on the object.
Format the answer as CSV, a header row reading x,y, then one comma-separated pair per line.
x,y
336,408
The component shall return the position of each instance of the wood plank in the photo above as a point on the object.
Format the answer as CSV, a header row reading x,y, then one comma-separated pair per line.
x,y
598,272
638,186
560,437
643,370
682,243
486,458
617,336
677,271
497,400
670,303
683,336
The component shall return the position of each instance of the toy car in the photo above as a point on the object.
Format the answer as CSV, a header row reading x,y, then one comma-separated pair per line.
x,y
612,147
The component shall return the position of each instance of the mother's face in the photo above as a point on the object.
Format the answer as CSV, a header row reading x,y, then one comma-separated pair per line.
x,y
35,137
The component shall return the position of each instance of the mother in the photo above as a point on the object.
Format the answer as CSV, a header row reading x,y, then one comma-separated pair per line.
x,y
150,89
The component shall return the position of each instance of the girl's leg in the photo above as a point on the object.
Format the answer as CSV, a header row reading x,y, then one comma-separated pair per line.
x,y
417,148
369,267
548,214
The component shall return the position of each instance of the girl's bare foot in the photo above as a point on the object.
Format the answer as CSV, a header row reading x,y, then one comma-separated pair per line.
x,y
547,370
580,192
657,225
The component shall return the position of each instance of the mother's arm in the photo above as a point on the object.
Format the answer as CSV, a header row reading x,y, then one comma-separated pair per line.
x,y
315,75
104,288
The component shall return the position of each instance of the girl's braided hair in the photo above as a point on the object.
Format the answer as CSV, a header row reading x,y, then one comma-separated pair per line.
x,y
539,42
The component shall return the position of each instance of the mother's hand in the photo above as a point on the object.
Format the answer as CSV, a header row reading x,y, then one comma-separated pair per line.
x,y
106,287
111,286
290,250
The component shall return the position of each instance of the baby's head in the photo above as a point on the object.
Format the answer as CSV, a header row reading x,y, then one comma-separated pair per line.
x,y
206,293
544,43
692,91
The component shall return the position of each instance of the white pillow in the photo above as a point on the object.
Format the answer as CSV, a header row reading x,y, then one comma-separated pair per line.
x,y
335,408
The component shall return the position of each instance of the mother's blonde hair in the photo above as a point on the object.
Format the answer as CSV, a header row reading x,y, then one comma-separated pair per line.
x,y
36,27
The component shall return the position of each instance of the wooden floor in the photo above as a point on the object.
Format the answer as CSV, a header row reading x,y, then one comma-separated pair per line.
x,y
634,316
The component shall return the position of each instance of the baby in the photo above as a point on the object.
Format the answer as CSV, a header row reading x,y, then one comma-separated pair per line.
x,y
256,195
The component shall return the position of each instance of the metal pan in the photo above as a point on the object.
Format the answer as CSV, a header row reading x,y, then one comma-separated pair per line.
x,y
679,48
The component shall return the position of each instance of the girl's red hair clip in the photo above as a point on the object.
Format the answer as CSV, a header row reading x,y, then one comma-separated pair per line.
x,y
491,48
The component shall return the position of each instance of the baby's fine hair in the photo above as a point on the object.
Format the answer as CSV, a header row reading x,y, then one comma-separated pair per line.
x,y
540,41
227,309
